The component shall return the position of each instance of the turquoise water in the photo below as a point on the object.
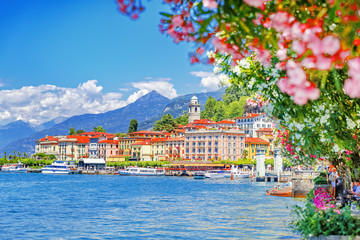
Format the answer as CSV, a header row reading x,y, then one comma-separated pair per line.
x,y
36,206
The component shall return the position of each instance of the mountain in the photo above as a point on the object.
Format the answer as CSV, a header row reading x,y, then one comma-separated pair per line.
x,y
178,105
50,124
114,121
14,131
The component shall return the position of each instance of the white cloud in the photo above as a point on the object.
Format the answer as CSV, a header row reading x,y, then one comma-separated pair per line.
x,y
210,81
158,79
163,87
124,89
1,83
37,104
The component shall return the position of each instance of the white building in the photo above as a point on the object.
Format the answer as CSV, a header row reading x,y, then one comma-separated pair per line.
x,y
253,122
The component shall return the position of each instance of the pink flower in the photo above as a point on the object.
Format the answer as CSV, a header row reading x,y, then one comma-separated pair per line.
x,y
210,4
177,21
330,45
352,84
257,3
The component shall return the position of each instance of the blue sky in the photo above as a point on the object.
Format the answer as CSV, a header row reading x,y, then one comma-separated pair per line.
x,y
89,49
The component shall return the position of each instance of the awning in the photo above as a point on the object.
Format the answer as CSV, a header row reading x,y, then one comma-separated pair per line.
x,y
93,161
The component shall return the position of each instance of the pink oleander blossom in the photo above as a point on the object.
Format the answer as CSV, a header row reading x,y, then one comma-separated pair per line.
x,y
210,4
257,3
352,84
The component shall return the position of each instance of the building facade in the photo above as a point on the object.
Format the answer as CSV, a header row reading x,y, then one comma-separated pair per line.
x,y
218,144
253,122
251,144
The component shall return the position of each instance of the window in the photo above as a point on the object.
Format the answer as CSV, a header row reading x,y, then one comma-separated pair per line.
x,y
209,150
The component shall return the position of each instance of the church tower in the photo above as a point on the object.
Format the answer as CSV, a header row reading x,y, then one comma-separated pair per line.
x,y
194,109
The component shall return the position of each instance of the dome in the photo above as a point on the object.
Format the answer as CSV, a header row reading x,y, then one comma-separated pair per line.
x,y
194,98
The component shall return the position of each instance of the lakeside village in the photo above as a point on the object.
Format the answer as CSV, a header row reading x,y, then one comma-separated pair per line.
x,y
235,148
201,144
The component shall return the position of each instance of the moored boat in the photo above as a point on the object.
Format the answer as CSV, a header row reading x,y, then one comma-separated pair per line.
x,y
138,171
199,175
14,168
238,173
214,174
60,167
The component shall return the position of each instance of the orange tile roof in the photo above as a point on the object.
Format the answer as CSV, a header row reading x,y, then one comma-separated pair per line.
x,y
227,122
264,130
250,115
142,143
49,138
203,121
255,140
175,139
109,141
158,140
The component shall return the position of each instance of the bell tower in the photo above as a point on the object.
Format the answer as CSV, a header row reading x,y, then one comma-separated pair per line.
x,y
194,109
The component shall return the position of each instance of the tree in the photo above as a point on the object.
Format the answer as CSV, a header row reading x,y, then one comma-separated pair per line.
x,y
133,126
233,94
208,112
166,123
120,135
183,119
79,131
236,109
72,131
99,129
219,111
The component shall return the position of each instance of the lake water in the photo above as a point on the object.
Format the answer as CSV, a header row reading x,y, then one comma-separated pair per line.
x,y
36,206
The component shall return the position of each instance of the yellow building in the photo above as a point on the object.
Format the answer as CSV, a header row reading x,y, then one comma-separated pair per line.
x,y
251,144
158,149
125,144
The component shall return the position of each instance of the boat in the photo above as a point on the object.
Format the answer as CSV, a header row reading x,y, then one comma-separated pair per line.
x,y
284,191
139,171
60,167
199,175
238,173
214,174
14,168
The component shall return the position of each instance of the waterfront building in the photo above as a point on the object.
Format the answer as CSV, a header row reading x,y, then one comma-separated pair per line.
x,y
125,144
214,144
48,145
73,147
174,148
141,151
158,149
108,148
194,109
267,135
251,144
148,134
252,122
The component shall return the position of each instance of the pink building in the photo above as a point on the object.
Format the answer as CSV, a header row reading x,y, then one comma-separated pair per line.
x,y
174,148
108,148
218,144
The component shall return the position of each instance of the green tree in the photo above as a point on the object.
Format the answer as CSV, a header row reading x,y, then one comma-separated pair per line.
x,y
219,111
120,135
72,131
235,109
79,131
233,94
133,126
166,123
208,112
99,129
183,119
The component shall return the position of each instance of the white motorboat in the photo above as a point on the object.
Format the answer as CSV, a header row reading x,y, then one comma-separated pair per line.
x,y
61,167
239,172
14,168
214,174
138,171
199,175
